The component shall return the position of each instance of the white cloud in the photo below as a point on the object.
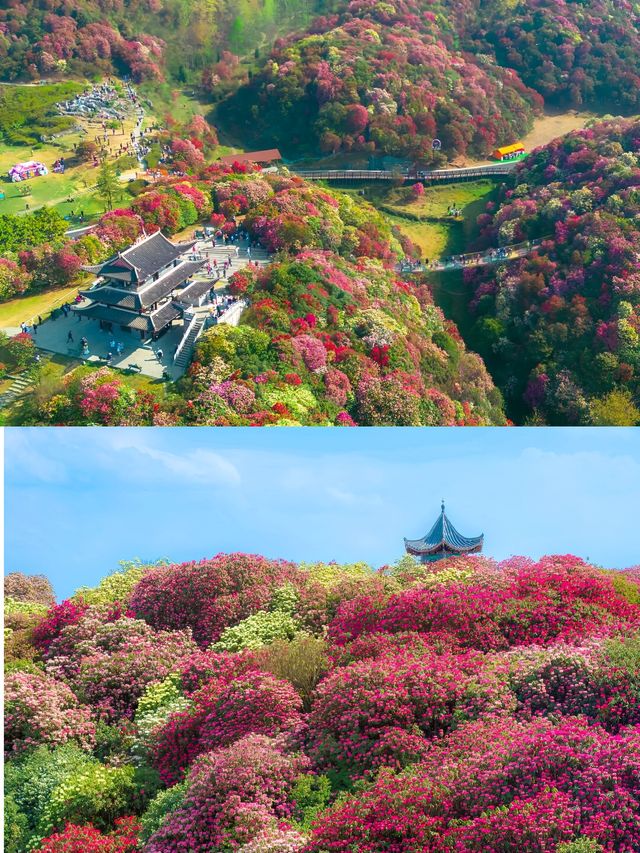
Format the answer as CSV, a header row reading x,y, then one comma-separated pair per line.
x,y
197,465
24,460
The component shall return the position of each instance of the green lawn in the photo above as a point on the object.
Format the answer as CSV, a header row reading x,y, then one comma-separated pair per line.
x,y
436,199
435,239
26,308
78,181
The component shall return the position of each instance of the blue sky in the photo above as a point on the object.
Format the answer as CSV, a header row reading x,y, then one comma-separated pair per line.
x,y
79,500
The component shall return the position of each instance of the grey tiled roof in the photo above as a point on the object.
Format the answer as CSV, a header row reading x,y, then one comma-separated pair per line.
x,y
168,282
114,296
145,258
143,322
444,537
146,296
195,289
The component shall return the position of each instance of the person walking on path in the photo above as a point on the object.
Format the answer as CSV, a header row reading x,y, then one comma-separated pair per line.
x,y
70,337
159,354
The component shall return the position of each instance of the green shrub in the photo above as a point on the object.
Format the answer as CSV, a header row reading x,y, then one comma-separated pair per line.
x,y
118,585
310,795
159,808
31,780
94,794
259,629
15,826
580,845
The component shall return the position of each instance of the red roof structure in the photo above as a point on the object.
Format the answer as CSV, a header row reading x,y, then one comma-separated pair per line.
x,y
268,156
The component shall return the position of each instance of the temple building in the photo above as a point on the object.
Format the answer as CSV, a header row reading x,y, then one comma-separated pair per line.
x,y
443,540
144,288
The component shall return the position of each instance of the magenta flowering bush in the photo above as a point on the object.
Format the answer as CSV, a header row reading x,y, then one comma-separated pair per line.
x,y
210,595
223,711
233,795
38,709
203,666
496,784
555,598
59,615
382,711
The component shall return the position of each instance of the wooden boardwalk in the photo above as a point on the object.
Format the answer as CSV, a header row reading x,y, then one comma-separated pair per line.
x,y
471,260
468,173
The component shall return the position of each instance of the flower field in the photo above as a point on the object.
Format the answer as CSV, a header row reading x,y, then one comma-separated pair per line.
x,y
246,704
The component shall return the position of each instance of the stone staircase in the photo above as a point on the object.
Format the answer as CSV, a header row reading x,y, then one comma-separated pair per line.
x,y
184,356
19,385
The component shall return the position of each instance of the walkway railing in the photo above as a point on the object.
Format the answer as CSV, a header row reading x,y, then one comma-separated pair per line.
x,y
185,336
406,175
472,259
232,315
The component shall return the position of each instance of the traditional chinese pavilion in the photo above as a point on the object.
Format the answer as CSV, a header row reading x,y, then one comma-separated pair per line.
x,y
144,288
443,540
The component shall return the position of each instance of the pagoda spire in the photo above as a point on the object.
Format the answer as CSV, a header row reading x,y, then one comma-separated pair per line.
x,y
443,540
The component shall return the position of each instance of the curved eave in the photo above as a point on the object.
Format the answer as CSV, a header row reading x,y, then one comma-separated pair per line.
x,y
418,547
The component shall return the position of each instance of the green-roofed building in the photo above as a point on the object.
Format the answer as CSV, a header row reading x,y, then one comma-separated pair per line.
x,y
443,540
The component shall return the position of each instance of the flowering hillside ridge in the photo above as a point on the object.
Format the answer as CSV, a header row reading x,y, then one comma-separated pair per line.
x,y
561,327
271,706
333,336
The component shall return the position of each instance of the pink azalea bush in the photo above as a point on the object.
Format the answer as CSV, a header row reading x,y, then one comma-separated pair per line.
x,y
223,711
39,709
233,794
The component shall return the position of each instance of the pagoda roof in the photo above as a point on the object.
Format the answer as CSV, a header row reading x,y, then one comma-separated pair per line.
x,y
443,537
144,258
195,289
143,322
144,296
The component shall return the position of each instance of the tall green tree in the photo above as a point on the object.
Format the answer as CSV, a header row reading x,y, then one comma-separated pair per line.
x,y
107,185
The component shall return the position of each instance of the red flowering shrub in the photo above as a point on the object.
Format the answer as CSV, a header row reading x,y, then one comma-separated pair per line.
x,y
88,839
57,618
210,595
223,711
499,785
363,712
557,597
202,666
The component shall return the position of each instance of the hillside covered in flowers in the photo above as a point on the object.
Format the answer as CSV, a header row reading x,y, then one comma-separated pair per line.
x,y
261,706
391,77
332,335
382,77
561,328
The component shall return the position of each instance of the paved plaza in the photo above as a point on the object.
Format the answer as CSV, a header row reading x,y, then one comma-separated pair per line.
x,y
138,355
63,335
